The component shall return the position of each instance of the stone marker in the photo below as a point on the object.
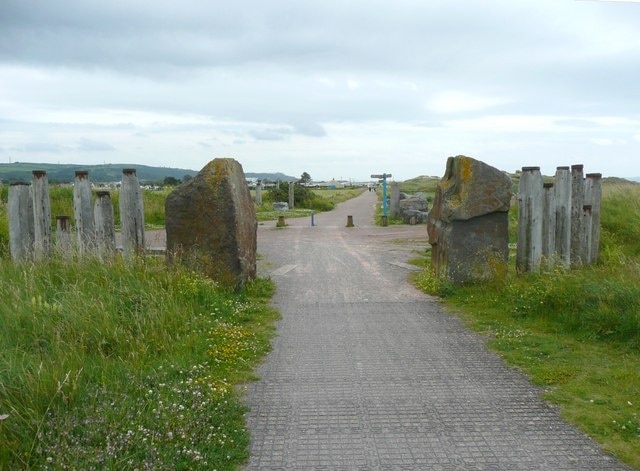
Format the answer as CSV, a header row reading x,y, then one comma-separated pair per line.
x,y
211,224
394,204
468,224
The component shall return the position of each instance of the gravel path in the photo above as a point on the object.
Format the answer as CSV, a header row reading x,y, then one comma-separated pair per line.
x,y
369,373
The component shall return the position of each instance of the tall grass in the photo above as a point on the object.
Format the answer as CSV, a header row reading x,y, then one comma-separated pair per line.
x,y
119,365
577,332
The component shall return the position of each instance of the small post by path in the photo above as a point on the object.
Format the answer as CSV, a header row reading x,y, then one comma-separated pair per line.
x,y
349,221
281,222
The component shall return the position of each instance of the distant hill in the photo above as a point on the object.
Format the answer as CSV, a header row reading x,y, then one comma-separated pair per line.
x,y
427,184
423,183
271,177
61,173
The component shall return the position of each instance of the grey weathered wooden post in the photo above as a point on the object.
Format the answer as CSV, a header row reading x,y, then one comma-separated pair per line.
x,y
593,196
63,235
530,209
577,203
259,192
41,215
20,209
549,225
104,225
585,239
291,195
394,207
562,190
131,213
83,212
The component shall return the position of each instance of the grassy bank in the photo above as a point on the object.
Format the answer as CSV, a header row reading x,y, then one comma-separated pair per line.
x,y
125,366
309,200
575,333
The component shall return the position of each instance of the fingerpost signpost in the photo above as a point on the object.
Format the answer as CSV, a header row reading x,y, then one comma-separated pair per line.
x,y
383,177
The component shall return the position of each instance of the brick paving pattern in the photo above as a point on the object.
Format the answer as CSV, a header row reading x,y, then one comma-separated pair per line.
x,y
368,373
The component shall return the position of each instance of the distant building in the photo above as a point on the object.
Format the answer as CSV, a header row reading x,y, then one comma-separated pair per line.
x,y
333,184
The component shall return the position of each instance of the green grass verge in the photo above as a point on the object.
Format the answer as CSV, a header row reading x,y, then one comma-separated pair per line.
x,y
576,334
125,366
323,200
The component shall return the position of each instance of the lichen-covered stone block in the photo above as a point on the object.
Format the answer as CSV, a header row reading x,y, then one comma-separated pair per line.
x,y
211,224
468,225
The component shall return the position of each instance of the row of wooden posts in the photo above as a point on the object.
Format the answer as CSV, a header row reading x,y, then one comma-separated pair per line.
x,y
559,222
30,228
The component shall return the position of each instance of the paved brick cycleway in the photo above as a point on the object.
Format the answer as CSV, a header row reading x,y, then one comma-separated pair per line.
x,y
368,373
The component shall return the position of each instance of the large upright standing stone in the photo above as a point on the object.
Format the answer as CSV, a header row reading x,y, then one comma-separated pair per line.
x,y
394,205
468,224
211,224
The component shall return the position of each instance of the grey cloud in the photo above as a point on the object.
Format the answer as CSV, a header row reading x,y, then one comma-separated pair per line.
x,y
45,147
310,129
90,145
520,48
147,37
273,134
579,123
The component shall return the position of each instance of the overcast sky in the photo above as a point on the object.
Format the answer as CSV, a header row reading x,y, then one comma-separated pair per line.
x,y
335,88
